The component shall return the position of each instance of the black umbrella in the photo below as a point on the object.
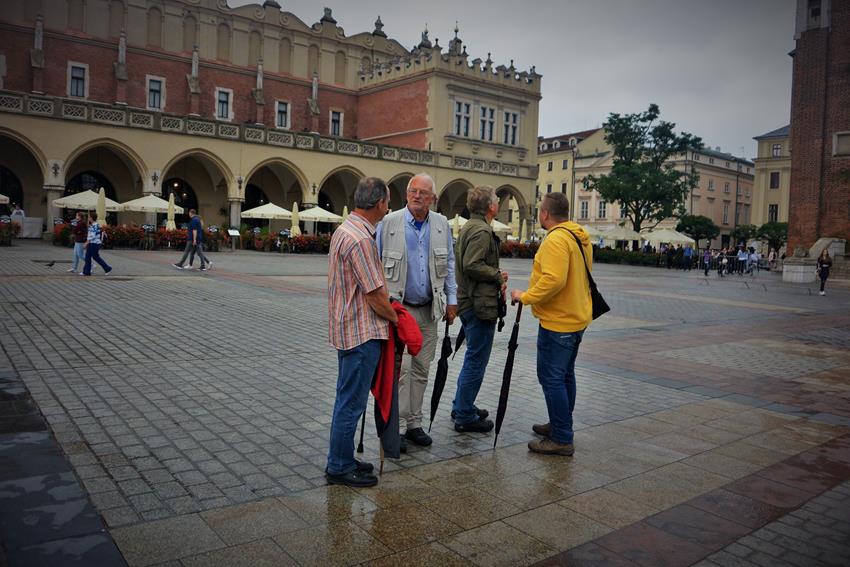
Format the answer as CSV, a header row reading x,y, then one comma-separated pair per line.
x,y
442,373
461,336
506,376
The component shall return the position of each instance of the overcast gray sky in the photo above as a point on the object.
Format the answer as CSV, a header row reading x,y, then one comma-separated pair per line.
x,y
719,69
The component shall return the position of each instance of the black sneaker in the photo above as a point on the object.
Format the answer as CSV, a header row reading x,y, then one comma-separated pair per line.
x,y
480,426
364,467
355,478
482,414
418,436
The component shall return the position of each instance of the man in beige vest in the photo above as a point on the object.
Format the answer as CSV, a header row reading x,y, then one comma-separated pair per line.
x,y
417,253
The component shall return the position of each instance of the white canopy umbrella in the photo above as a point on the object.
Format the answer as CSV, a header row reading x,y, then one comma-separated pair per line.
x,y
267,211
4,199
667,235
344,213
295,230
456,224
85,200
101,206
318,214
149,204
620,233
500,226
169,221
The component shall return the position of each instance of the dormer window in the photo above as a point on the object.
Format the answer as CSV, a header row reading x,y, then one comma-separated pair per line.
x,y
557,144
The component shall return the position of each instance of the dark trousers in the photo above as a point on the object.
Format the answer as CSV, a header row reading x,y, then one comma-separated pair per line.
x,y
93,253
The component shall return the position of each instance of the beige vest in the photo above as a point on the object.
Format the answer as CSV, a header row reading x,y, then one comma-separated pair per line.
x,y
394,257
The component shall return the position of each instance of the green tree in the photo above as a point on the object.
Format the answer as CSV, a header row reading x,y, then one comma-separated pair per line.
x,y
642,178
775,233
742,234
698,227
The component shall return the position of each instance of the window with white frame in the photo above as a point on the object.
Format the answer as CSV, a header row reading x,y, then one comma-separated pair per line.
x,y
548,187
336,123
224,104
603,210
776,150
487,123
711,184
549,166
711,160
462,117
726,212
565,164
156,92
726,187
564,188
583,210
772,213
78,79
282,116
774,180
623,211
510,126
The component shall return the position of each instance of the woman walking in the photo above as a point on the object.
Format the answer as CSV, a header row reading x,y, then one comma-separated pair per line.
x,y
79,231
824,264
92,246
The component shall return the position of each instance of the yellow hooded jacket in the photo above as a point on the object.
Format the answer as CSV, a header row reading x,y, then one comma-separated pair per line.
x,y
558,291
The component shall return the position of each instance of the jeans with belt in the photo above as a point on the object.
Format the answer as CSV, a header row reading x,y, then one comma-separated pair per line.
x,y
356,370
556,372
479,343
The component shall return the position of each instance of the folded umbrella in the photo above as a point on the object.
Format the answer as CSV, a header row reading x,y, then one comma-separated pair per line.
x,y
506,376
442,373
461,336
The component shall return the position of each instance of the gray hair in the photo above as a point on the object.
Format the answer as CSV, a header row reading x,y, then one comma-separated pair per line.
x,y
479,199
424,176
370,190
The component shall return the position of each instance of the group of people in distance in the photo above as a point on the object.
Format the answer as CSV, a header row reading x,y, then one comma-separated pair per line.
x,y
410,257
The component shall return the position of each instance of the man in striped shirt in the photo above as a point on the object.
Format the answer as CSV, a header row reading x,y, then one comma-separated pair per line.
x,y
359,313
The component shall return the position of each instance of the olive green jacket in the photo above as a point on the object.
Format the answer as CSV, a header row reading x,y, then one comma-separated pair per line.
x,y
479,279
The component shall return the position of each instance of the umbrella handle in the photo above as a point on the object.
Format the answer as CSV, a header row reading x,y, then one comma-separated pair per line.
x,y
447,328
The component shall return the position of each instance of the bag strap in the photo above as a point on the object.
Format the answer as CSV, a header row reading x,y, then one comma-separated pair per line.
x,y
581,249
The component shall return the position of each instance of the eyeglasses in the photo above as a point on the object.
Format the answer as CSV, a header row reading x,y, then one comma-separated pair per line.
x,y
420,192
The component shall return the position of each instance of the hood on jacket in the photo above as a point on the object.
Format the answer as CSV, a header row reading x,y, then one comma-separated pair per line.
x,y
576,229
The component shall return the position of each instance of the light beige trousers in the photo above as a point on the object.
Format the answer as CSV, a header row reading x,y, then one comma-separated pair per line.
x,y
414,371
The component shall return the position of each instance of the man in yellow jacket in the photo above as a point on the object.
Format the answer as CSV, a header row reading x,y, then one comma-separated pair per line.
x,y
559,295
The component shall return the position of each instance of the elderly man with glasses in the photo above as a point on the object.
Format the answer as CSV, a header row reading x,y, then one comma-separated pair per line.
x,y
416,250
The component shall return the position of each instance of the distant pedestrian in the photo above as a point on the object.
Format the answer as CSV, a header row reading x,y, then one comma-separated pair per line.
x,y
79,231
771,259
94,240
194,242
742,259
706,260
359,317
824,264
687,258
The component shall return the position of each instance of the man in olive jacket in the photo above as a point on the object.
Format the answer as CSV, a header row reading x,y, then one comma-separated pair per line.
x,y
480,284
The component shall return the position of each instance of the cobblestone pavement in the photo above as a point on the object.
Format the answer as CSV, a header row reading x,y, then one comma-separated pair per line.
x,y
194,409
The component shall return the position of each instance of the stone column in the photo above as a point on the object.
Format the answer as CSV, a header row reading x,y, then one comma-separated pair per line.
x,y
53,192
235,213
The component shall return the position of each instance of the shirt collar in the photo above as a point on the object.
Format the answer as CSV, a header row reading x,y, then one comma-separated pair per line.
x,y
362,220
410,219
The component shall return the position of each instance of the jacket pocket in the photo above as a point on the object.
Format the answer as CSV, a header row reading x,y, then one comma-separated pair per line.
x,y
485,302
392,265
441,262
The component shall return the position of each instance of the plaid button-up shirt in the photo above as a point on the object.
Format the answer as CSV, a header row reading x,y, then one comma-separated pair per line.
x,y
354,270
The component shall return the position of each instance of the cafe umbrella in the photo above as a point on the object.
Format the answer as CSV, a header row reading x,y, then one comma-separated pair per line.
x,y
506,376
442,374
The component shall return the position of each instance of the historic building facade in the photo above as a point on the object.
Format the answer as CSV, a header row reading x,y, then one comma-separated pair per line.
x,y
232,107
773,177
725,192
820,124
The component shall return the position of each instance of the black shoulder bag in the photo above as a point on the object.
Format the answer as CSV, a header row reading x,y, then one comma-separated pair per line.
x,y
600,306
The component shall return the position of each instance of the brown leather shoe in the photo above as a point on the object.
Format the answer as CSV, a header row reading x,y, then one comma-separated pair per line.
x,y
548,447
545,430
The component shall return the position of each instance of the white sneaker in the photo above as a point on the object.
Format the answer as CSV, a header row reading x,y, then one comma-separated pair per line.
x,y
71,270
823,293
178,266
209,265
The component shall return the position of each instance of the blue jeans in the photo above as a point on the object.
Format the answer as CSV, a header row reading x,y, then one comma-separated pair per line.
x,y
356,370
556,372
479,342
79,255
93,253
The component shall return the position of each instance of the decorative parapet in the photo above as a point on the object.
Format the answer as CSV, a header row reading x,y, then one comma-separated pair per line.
x,y
121,117
457,64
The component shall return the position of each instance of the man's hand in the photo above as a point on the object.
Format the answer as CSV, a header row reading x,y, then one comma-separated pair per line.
x,y
451,313
504,277
516,295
